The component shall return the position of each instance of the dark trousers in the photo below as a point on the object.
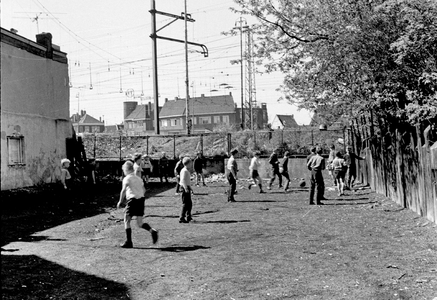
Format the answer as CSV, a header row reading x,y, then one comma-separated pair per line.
x,y
274,173
178,186
317,186
287,177
232,186
351,173
163,173
187,204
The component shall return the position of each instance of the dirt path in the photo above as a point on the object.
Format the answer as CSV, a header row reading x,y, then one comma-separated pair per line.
x,y
271,246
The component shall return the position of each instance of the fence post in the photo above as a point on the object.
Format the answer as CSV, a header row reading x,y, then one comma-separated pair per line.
x,y
201,144
95,142
282,138
174,146
344,138
120,148
229,143
147,145
254,139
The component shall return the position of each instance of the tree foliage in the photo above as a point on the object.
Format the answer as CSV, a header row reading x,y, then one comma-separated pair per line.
x,y
351,57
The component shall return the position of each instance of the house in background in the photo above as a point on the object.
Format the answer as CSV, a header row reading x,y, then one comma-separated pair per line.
x,y
35,123
261,116
206,113
284,122
138,119
117,128
84,123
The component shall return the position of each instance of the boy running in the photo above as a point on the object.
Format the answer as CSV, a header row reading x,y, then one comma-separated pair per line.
x,y
185,183
132,193
274,162
253,170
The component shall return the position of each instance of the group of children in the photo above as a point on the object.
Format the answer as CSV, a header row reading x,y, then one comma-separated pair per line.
x,y
137,171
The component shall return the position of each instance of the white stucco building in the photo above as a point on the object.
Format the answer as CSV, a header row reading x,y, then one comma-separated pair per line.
x,y
35,121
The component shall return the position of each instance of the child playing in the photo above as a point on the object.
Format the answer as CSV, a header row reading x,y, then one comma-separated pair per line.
x,y
65,174
147,168
253,170
338,166
283,169
137,165
132,193
177,171
232,170
199,165
185,184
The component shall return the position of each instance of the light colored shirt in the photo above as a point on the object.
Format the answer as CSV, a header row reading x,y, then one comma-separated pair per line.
x,y
137,169
232,164
65,174
185,180
338,164
316,163
134,186
254,164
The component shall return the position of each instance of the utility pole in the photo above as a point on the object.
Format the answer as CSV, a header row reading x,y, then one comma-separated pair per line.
x,y
155,66
154,36
241,69
187,86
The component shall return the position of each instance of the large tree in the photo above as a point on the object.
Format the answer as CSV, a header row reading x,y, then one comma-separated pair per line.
x,y
351,57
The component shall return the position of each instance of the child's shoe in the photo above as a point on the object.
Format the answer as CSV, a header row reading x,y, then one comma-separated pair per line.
x,y
250,186
127,244
154,233
182,221
189,219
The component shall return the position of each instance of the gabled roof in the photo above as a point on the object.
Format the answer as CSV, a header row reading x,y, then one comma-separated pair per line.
x,y
138,113
287,121
223,104
87,119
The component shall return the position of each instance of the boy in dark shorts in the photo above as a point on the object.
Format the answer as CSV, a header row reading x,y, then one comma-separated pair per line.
x,y
199,165
338,166
274,163
132,194
253,169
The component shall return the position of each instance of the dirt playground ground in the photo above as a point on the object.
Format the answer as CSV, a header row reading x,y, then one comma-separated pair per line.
x,y
264,246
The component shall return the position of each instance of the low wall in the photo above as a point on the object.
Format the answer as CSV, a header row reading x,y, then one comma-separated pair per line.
x,y
113,167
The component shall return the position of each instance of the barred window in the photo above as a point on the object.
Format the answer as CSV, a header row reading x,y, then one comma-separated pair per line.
x,y
15,150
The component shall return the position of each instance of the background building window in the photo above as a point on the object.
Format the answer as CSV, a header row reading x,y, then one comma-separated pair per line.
x,y
174,122
225,119
217,120
15,150
204,120
194,120
164,123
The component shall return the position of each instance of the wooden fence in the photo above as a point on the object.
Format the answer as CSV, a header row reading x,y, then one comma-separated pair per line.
x,y
402,165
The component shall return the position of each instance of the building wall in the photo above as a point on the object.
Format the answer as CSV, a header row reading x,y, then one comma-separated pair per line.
x,y
34,104
197,126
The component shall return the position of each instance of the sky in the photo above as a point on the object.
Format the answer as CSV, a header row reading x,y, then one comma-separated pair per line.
x,y
110,52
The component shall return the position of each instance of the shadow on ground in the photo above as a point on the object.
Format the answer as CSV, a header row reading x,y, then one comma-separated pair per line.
x,y
31,277
29,210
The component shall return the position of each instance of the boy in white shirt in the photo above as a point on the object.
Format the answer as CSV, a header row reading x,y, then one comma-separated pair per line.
x,y
185,184
253,170
132,193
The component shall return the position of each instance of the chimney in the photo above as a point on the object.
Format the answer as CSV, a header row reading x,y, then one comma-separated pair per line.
x,y
13,30
100,119
45,39
166,100
202,95
150,107
230,93
176,98
146,107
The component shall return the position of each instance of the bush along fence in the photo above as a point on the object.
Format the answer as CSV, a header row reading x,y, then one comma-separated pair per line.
x,y
401,163
216,144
